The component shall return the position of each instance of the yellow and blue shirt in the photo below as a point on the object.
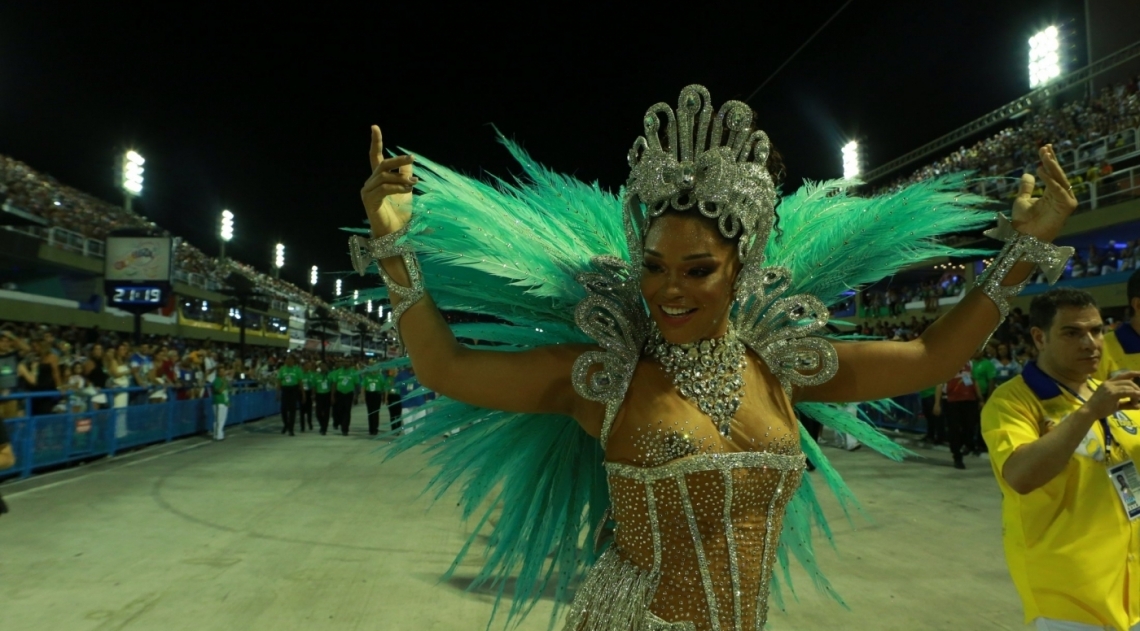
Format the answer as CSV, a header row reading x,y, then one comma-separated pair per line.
x,y
1071,549
1121,351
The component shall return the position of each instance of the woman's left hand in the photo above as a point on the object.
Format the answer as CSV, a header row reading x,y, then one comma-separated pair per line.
x,y
1043,217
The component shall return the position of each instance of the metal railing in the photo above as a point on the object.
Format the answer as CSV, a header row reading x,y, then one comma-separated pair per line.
x,y
1115,188
48,440
64,239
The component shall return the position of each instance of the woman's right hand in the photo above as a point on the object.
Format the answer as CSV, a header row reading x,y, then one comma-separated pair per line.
x,y
387,194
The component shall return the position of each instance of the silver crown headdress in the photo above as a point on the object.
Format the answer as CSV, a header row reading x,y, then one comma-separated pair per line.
x,y
719,171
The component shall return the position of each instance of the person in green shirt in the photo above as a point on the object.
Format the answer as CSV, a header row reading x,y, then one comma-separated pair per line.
x,y
322,389
375,386
221,389
306,415
345,381
985,375
935,424
289,392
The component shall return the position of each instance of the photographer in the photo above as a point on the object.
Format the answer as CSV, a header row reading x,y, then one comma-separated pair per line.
x,y
1060,444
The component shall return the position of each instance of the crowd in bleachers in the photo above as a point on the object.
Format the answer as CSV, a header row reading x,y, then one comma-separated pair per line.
x,y
70,209
893,299
79,363
1013,333
1111,114
1113,259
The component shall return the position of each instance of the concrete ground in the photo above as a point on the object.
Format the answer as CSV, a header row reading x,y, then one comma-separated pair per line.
x,y
268,533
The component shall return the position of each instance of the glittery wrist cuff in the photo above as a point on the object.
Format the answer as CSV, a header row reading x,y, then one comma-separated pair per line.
x,y
363,251
1051,259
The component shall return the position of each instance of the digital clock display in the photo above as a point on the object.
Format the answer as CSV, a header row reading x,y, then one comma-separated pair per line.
x,y
137,296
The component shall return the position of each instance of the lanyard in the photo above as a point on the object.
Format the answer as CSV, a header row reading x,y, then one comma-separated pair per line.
x,y
1108,439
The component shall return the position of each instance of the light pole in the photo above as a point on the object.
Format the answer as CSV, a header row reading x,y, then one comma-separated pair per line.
x,y
313,280
1045,57
278,260
851,160
132,179
225,233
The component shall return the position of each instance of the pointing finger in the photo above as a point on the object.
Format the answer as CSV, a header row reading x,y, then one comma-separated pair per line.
x,y
376,151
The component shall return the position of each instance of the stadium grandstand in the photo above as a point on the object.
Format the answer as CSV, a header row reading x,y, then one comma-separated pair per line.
x,y
52,251
1097,139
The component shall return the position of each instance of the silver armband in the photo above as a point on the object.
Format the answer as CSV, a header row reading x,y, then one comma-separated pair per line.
x,y
363,251
1051,259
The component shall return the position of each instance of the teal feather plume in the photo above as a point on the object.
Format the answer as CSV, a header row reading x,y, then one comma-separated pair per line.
x,y
833,241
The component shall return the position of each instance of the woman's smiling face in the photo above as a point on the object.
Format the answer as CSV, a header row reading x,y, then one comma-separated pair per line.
x,y
690,270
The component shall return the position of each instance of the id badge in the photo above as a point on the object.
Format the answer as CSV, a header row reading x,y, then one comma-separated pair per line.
x,y
1126,483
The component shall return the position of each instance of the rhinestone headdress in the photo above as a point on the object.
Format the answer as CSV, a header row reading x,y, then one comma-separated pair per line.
x,y
719,171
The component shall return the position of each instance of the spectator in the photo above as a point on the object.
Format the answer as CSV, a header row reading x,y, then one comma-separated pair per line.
x,y
963,406
10,348
1005,366
221,390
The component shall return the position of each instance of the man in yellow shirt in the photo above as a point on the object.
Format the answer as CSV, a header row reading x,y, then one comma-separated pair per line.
x,y
1060,445
1122,346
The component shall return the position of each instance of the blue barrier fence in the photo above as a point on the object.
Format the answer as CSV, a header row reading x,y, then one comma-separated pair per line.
x,y
48,440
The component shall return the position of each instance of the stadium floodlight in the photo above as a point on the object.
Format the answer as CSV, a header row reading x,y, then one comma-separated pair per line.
x,y
1044,57
380,311
338,287
369,307
278,260
132,177
355,296
225,232
133,173
851,160
313,277
226,229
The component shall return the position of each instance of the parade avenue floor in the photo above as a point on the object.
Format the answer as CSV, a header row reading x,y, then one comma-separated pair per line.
x,y
268,533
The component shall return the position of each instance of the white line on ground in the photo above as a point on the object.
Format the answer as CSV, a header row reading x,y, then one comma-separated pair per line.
x,y
104,470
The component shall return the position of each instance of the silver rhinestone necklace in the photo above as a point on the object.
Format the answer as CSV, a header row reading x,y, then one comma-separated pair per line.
x,y
709,372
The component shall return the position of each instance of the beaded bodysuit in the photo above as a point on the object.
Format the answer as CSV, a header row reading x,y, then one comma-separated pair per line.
x,y
698,518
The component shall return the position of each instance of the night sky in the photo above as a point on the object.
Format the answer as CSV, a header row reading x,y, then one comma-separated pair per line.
x,y
267,113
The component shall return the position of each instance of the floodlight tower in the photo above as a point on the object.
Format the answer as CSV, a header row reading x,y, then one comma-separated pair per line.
x,y
132,178
313,276
278,260
338,287
1044,57
225,233
368,307
851,160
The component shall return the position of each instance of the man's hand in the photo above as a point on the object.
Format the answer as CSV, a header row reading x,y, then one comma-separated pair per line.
x,y
1118,393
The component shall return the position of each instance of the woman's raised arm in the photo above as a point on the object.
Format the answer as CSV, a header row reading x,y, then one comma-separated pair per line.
x,y
535,381
876,370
